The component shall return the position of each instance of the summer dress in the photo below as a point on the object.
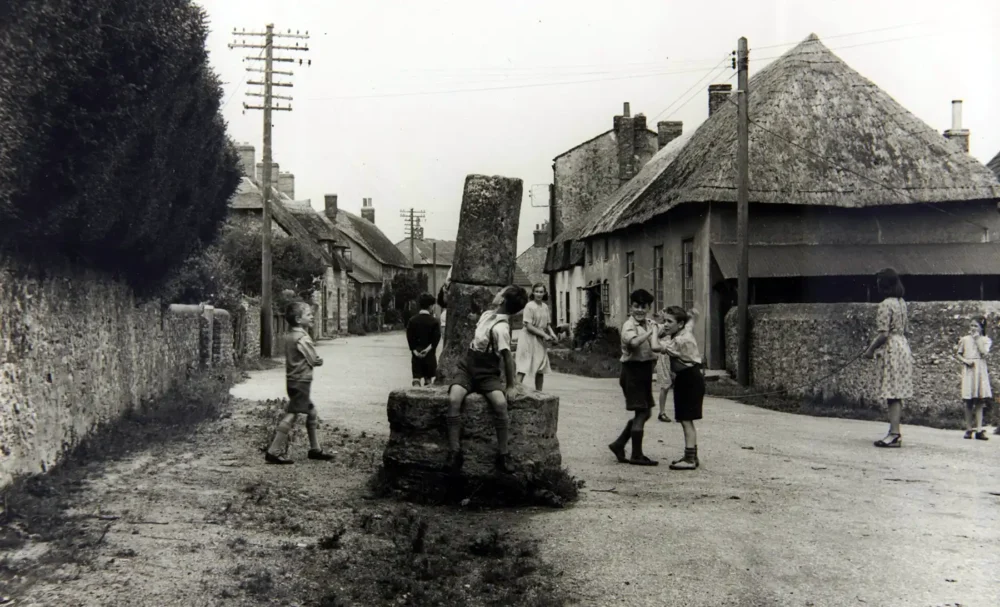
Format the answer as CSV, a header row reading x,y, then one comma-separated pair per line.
x,y
895,357
975,379
532,351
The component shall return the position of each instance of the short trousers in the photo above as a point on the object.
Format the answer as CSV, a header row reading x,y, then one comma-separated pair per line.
x,y
298,397
424,368
689,394
636,381
478,372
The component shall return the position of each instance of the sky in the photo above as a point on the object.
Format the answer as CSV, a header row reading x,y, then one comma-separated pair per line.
x,y
404,99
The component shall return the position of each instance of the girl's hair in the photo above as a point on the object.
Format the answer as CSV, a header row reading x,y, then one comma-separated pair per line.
x,y
542,285
888,283
680,314
295,310
981,321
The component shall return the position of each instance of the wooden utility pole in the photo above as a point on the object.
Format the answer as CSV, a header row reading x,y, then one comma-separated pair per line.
x,y
434,268
552,238
742,215
268,83
412,229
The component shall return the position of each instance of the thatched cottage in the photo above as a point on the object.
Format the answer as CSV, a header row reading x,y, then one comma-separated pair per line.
x,y
843,181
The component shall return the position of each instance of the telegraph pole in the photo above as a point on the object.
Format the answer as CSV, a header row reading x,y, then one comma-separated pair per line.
x,y
268,83
742,215
413,229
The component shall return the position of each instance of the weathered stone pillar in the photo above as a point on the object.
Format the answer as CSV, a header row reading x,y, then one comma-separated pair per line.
x,y
414,458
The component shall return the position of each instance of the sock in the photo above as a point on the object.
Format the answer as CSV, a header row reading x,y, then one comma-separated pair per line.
x,y
502,423
311,423
454,423
636,444
691,453
626,434
280,442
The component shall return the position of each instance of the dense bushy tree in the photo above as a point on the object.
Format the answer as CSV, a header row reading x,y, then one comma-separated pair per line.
x,y
113,153
293,267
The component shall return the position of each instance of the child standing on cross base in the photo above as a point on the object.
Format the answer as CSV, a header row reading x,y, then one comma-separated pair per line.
x,y
423,333
479,371
300,359
639,345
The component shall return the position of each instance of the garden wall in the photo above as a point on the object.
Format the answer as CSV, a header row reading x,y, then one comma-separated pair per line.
x,y
77,351
794,345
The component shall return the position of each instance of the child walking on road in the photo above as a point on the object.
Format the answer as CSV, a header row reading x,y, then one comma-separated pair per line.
x,y
479,371
677,341
423,333
300,358
971,352
639,344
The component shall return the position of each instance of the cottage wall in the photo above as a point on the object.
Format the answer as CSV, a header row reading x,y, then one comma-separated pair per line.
x,y
361,258
583,177
570,282
901,224
77,351
795,345
686,223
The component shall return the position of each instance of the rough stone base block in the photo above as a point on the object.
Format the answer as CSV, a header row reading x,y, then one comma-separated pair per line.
x,y
414,458
465,304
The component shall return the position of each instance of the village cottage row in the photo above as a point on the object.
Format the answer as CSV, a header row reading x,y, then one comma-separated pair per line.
x,y
843,181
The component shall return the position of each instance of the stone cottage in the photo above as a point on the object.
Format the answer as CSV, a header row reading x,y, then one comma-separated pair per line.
x,y
583,176
843,181
431,256
374,260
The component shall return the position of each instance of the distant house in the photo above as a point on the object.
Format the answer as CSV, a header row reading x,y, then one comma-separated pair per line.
x,y
843,181
297,220
994,165
532,260
431,256
582,177
374,259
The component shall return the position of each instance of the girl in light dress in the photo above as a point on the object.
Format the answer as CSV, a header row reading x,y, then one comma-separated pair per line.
x,y
893,349
533,343
971,352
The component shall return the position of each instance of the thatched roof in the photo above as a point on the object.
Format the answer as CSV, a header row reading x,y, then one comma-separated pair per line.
x,y
813,99
994,165
368,236
424,252
317,225
248,198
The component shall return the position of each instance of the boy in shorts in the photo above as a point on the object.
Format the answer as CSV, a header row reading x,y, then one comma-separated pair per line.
x,y
300,358
423,333
479,371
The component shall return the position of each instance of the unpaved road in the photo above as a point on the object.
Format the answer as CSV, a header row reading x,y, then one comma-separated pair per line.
x,y
786,509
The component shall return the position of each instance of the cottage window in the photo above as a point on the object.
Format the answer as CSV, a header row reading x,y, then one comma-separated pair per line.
x,y
629,275
687,273
658,277
569,318
590,253
606,298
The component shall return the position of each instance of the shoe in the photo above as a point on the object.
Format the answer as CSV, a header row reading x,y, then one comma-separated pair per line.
x,y
319,454
504,463
663,417
277,459
969,433
981,435
685,463
619,452
642,460
454,461
895,443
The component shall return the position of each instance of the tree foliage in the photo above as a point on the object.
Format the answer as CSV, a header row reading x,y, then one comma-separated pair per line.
x,y
293,267
113,153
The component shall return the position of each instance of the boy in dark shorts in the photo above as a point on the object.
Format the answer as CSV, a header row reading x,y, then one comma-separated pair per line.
x,y
423,333
479,371
678,342
300,358
639,345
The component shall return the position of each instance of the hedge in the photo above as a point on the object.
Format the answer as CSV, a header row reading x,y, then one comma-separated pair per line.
x,y
113,152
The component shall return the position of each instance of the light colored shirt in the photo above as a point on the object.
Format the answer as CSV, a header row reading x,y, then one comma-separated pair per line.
x,y
682,349
973,348
300,355
495,324
644,351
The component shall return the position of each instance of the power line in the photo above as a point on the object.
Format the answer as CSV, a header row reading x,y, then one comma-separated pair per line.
x,y
847,35
695,85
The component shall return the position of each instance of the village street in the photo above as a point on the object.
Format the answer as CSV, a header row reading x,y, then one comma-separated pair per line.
x,y
786,510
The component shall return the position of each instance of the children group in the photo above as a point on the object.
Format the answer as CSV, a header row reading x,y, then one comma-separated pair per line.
x,y
663,343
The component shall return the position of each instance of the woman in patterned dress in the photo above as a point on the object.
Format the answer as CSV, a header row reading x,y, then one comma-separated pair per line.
x,y
533,343
893,351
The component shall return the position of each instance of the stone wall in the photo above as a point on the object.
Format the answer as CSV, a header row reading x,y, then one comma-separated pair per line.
x,y
794,345
77,351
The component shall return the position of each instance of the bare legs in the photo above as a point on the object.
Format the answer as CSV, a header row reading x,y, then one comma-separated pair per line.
x,y
894,438
539,380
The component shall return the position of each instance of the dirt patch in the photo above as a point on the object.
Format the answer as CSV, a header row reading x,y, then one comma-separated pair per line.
x,y
176,506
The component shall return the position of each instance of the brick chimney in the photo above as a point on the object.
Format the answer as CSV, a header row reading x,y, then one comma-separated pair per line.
x,y
718,94
247,159
274,173
367,209
542,235
956,133
667,131
286,184
625,134
330,206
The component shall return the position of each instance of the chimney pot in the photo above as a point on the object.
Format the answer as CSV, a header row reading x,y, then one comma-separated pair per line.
x,y
956,115
274,174
956,133
367,209
627,110
330,206
248,162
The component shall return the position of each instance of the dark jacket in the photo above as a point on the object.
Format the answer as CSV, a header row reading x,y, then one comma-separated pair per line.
x,y
423,330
